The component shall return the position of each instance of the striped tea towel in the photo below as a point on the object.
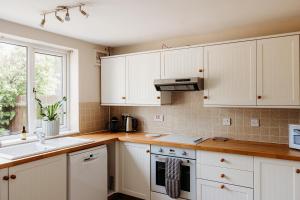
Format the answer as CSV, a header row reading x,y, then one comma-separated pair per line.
x,y
173,177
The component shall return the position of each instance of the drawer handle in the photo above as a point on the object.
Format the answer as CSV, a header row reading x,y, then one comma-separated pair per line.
x,y
123,97
158,97
259,97
201,70
13,176
222,175
147,151
205,97
222,186
222,160
5,178
298,171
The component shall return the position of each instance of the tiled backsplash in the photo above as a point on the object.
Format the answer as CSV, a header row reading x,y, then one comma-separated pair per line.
x,y
186,115
93,117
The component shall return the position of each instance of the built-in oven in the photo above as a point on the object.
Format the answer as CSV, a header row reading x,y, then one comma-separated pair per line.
x,y
188,170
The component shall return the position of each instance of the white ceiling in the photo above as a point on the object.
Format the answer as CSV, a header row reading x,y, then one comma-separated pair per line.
x,y
125,22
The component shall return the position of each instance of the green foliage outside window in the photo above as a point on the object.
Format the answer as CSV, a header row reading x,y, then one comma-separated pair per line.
x,y
13,80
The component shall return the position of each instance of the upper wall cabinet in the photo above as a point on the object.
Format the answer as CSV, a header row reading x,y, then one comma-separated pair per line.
x,y
182,63
113,80
141,70
230,74
278,71
128,80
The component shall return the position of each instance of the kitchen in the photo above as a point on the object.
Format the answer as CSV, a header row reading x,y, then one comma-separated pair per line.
x,y
194,105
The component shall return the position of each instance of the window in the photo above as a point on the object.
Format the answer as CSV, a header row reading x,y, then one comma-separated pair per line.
x,y
24,68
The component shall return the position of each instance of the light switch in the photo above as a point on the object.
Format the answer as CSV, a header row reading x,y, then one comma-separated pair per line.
x,y
227,121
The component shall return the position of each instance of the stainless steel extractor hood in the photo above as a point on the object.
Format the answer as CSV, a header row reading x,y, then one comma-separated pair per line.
x,y
184,84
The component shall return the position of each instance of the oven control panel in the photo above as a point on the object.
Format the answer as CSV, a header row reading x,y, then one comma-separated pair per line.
x,y
176,152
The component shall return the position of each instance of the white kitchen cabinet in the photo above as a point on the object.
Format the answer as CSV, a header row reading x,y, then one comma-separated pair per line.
x,y
141,70
128,80
4,184
113,81
276,179
209,190
182,63
278,71
230,74
43,179
135,170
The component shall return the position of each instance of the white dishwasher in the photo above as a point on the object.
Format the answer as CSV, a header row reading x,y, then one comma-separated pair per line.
x,y
87,174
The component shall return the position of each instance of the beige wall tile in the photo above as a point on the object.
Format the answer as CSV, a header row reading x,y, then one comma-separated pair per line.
x,y
186,115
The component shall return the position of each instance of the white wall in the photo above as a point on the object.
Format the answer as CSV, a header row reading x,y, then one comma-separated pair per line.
x,y
89,74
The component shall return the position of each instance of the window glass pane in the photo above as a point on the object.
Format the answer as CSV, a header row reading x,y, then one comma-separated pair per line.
x,y
13,103
49,81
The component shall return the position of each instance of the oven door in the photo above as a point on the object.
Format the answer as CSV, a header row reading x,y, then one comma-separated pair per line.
x,y
188,176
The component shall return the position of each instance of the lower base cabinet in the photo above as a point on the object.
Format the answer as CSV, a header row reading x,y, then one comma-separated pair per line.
x,y
3,184
135,170
38,180
210,190
276,179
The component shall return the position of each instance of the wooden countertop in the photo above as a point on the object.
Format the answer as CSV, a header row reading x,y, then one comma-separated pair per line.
x,y
268,150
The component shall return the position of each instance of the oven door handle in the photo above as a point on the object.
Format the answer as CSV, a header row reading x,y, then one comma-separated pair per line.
x,y
163,159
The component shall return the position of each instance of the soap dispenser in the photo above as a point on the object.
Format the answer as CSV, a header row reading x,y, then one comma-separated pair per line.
x,y
23,134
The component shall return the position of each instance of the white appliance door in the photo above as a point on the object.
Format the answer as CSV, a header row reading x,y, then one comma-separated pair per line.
x,y
88,174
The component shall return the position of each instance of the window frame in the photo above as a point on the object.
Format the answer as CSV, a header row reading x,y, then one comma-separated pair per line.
x,y
31,49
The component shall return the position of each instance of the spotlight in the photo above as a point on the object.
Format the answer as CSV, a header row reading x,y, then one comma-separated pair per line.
x,y
43,21
83,12
59,18
67,17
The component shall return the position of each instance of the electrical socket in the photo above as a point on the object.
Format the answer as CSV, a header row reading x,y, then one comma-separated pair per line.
x,y
227,121
254,122
158,118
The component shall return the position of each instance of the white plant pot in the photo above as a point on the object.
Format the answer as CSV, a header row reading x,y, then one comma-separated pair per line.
x,y
50,128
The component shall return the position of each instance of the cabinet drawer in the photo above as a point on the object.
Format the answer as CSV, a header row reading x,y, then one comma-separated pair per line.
x,y
225,175
209,190
225,160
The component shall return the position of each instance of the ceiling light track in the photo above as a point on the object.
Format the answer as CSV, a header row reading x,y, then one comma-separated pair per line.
x,y
65,10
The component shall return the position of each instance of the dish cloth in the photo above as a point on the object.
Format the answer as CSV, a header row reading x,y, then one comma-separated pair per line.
x,y
172,175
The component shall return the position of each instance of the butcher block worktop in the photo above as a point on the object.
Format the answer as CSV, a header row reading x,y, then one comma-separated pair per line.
x,y
268,150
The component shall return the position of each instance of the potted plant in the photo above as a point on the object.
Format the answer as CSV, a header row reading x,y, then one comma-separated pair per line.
x,y
50,117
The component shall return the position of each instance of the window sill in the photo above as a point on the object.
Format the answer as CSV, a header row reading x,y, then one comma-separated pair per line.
x,y
15,139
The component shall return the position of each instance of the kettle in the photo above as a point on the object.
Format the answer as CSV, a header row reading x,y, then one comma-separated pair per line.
x,y
130,124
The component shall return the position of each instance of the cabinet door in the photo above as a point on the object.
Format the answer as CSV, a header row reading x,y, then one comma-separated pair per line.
x,y
230,74
141,70
209,190
276,179
113,81
43,179
3,184
183,63
278,71
135,170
